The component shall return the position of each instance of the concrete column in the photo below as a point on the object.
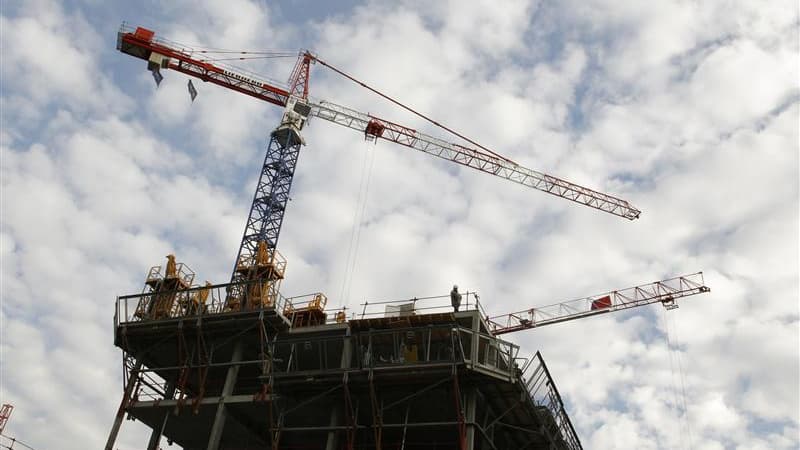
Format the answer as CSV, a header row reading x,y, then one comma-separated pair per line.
x,y
476,329
347,352
469,416
227,389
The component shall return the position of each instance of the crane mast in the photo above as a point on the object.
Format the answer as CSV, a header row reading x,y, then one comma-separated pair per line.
x,y
259,267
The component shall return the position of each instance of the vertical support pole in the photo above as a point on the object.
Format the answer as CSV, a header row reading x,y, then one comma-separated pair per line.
x,y
276,434
155,435
350,415
227,389
471,407
344,363
428,346
377,420
330,444
462,433
475,338
405,427
203,359
123,405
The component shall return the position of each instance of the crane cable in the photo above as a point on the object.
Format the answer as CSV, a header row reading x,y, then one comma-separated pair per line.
x,y
673,386
366,86
683,388
355,231
365,197
672,351
14,441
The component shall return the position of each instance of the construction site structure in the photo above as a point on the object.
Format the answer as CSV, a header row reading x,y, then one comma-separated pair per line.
x,y
408,374
239,366
417,377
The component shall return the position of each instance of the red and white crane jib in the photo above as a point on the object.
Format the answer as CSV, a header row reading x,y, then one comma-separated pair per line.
x,y
476,159
160,53
665,291
143,44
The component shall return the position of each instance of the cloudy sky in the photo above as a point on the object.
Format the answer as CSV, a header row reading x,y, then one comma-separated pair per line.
x,y
687,109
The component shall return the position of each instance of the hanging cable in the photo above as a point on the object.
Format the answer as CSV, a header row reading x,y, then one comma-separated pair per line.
x,y
353,231
449,130
361,218
673,384
14,441
683,391
241,58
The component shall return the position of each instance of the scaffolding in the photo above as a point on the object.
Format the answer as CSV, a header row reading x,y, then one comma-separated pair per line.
x,y
417,377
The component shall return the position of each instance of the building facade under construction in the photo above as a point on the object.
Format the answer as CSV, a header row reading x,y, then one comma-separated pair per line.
x,y
269,372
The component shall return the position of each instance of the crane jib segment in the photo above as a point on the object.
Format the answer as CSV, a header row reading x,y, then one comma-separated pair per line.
x,y
476,159
143,45
160,53
664,291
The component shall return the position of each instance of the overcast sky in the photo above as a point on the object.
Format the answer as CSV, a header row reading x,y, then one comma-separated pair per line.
x,y
689,110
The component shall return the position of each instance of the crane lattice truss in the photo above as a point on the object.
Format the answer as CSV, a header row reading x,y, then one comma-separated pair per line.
x,y
375,127
5,413
161,53
258,271
665,292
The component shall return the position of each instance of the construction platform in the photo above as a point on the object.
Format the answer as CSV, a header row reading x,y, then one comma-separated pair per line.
x,y
411,376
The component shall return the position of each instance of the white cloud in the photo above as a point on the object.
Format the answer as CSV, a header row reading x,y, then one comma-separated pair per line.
x,y
688,110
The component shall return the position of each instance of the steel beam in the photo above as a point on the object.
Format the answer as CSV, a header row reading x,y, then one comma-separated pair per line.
x,y
227,390
126,398
155,435
469,417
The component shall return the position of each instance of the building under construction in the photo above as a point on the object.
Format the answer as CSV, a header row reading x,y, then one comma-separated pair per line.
x,y
239,366
274,376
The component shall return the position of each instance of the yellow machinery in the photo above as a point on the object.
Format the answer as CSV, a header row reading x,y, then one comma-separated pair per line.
x,y
264,272
168,288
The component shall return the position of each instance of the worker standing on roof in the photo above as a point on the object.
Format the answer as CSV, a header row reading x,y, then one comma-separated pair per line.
x,y
455,298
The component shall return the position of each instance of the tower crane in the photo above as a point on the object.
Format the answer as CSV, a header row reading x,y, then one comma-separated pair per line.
x,y
259,268
257,257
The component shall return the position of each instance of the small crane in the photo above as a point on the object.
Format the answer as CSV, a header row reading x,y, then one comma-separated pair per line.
x,y
665,291
257,260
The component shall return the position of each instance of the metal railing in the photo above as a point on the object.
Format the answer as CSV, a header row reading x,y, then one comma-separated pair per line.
x,y
543,392
182,273
417,305
194,302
